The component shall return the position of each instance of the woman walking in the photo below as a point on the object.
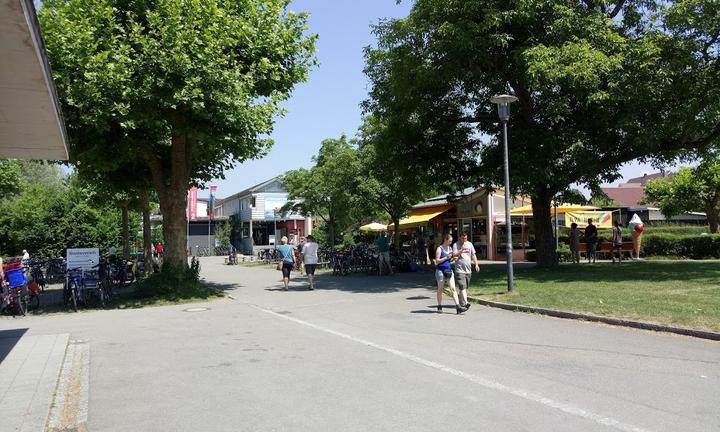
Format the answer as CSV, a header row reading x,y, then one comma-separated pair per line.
x,y
310,259
287,256
444,273
574,240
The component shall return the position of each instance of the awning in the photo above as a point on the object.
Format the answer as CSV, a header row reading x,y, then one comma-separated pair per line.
x,y
376,227
561,208
421,216
31,124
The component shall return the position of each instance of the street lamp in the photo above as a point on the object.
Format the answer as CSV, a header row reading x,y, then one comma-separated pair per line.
x,y
503,102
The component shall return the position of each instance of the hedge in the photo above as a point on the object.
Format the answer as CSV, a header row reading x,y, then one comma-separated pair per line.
x,y
661,244
686,246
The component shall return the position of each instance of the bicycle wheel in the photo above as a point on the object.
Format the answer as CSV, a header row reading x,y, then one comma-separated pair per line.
x,y
101,295
73,298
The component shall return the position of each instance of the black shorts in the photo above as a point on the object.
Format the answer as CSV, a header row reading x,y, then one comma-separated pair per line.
x,y
310,269
286,269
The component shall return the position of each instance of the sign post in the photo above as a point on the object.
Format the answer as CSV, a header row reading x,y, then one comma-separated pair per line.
x,y
86,259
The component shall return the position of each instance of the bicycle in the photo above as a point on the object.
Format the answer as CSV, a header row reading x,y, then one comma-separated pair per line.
x,y
72,287
92,285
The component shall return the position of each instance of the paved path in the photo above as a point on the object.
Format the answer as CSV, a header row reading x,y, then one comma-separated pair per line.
x,y
29,370
370,354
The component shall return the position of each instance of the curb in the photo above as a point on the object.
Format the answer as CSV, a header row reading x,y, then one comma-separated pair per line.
x,y
602,319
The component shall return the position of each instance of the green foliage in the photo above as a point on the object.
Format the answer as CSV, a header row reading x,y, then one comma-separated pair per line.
x,y
175,284
685,246
9,178
690,189
328,190
222,233
53,213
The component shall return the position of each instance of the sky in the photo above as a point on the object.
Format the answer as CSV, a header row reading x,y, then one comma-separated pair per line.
x,y
328,104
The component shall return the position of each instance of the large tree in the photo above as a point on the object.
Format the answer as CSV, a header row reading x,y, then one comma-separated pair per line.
x,y
690,189
599,83
187,87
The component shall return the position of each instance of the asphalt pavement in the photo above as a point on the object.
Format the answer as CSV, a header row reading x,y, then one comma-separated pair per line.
x,y
371,354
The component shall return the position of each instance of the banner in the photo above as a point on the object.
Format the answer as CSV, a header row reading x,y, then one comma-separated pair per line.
x,y
273,204
192,203
211,203
601,219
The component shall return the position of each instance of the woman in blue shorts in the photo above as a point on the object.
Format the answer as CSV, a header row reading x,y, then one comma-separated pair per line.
x,y
444,273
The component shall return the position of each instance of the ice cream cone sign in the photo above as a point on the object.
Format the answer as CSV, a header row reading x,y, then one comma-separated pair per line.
x,y
636,227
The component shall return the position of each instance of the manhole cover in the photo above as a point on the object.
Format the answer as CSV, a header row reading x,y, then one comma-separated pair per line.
x,y
196,309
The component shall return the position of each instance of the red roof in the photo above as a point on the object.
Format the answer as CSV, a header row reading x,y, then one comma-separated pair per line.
x,y
626,196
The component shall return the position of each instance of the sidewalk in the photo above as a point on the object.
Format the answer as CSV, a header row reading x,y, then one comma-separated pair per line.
x,y
29,370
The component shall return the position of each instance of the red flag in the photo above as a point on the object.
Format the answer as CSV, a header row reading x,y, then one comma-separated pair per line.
x,y
192,203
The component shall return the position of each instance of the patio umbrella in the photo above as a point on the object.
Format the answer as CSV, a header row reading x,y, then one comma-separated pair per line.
x,y
374,227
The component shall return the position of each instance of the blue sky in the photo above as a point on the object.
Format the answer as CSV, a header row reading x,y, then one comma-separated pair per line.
x,y
327,105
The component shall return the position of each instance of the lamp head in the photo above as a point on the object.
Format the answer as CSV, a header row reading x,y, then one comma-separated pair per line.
x,y
503,102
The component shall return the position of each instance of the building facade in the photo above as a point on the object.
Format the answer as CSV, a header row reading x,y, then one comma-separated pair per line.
x,y
259,219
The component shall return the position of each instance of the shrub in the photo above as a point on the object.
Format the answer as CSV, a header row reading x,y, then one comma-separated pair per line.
x,y
686,246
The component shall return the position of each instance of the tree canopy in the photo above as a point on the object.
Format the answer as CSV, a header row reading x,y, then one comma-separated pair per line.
x,y
599,83
188,88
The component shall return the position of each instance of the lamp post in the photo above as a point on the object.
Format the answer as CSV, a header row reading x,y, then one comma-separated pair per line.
x,y
503,102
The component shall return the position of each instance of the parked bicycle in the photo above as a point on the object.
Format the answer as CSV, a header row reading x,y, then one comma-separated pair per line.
x,y
72,288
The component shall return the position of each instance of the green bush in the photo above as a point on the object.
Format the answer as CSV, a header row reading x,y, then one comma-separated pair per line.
x,y
685,246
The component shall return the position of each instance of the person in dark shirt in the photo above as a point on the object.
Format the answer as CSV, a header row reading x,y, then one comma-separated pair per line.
x,y
591,238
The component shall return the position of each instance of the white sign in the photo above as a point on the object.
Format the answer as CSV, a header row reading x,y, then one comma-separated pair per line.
x,y
85,259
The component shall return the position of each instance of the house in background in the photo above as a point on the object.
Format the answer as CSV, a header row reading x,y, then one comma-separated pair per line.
x,y
258,218
630,194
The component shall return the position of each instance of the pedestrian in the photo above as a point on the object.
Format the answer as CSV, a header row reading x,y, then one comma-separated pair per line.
x,y
617,242
25,259
574,240
444,273
310,259
591,239
421,251
299,252
465,255
159,249
383,253
287,258
112,255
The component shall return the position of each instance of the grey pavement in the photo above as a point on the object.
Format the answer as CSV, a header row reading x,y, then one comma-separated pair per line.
x,y
29,370
371,354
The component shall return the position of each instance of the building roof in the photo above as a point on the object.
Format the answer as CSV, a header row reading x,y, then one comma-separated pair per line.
x,y
32,122
256,188
626,196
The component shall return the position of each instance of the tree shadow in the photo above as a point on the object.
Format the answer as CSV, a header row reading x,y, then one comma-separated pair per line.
x,y
8,340
374,284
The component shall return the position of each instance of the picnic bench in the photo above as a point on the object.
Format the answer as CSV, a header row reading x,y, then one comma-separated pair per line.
x,y
605,248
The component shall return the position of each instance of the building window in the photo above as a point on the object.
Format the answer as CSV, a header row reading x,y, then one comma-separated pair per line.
x,y
252,201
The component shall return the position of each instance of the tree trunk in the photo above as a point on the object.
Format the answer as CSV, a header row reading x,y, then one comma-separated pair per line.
x,y
396,223
147,241
331,232
544,236
712,217
125,230
172,196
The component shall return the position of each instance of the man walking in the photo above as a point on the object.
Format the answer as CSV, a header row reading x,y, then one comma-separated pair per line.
x,y
591,238
466,257
383,253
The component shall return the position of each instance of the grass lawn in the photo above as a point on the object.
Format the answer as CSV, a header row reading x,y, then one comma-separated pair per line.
x,y
684,293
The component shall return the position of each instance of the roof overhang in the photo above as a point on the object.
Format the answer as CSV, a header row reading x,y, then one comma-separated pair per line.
x,y
31,123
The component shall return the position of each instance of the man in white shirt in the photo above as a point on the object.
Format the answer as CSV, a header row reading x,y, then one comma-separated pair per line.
x,y
465,251
310,259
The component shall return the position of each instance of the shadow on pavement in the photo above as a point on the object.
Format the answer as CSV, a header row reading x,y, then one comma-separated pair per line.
x,y
8,340
374,284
